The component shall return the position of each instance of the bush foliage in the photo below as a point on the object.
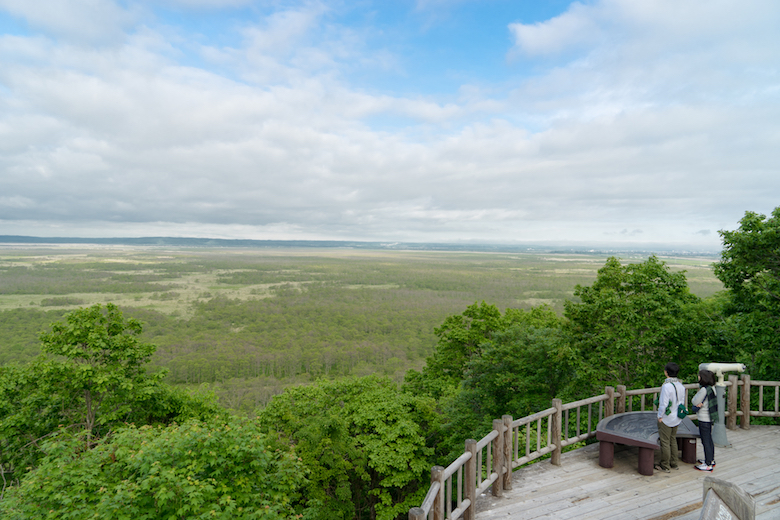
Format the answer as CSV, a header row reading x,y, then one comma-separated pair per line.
x,y
206,470
88,431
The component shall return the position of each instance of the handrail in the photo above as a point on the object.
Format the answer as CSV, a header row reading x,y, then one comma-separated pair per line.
x,y
761,412
476,473
433,493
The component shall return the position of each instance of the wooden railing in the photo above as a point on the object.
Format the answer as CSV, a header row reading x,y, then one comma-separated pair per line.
x,y
488,463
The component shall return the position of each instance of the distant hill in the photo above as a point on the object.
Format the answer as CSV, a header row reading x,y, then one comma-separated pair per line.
x,y
190,242
346,244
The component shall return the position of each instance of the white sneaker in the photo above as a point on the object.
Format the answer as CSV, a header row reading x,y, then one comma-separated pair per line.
x,y
703,467
701,461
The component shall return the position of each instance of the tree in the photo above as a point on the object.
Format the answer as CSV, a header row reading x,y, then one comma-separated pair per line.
x,y
104,360
213,469
90,379
487,364
630,322
461,338
365,443
33,405
750,268
521,369
750,261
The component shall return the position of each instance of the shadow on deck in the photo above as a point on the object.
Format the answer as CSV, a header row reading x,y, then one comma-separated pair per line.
x,y
579,488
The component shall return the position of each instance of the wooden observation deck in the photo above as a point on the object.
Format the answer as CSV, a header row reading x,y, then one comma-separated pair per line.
x,y
580,489
572,484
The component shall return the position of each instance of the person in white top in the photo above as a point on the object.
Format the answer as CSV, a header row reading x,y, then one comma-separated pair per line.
x,y
707,403
672,394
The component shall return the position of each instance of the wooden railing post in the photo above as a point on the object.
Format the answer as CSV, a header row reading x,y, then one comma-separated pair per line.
x,y
416,513
744,423
437,475
609,405
471,480
621,404
731,420
507,451
498,458
556,434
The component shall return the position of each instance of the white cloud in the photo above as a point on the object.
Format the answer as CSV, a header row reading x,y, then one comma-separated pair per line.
x,y
283,32
83,21
647,28
574,28
662,123
206,4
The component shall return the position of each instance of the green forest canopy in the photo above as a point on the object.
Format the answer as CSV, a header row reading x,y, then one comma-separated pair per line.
x,y
252,322
93,427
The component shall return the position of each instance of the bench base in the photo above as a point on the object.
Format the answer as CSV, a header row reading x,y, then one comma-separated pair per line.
x,y
607,457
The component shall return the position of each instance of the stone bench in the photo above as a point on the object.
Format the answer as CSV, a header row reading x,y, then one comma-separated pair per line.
x,y
641,429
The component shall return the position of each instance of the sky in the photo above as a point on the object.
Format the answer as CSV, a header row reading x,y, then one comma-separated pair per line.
x,y
502,121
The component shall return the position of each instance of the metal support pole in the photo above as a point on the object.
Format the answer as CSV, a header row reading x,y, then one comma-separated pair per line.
x,y
719,428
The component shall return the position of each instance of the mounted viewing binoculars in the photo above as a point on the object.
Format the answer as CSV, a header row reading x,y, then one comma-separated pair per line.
x,y
719,368
719,428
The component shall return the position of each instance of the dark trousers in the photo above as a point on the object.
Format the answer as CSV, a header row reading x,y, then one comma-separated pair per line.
x,y
705,430
668,438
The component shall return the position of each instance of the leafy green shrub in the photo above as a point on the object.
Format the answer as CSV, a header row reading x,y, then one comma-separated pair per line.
x,y
165,296
630,322
91,379
61,300
749,268
364,442
221,470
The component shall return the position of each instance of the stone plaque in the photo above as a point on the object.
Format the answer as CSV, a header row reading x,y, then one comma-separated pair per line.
x,y
724,500
715,509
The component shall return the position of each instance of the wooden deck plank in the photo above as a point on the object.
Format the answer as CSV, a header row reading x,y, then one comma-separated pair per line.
x,y
581,489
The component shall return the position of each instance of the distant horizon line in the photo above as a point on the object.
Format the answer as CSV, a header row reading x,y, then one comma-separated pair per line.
x,y
559,247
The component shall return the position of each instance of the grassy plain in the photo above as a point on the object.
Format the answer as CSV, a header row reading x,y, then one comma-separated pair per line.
x,y
250,321
171,281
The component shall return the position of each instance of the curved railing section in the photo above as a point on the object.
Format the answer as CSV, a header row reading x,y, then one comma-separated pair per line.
x,y
488,463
